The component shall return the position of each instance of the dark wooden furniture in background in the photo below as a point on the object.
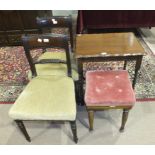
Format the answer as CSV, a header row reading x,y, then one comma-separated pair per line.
x,y
14,23
105,19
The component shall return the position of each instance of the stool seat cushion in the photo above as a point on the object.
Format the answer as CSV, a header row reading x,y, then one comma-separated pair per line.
x,y
109,88
40,101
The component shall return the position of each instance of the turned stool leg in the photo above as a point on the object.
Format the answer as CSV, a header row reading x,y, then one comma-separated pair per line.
x,y
124,119
91,119
23,129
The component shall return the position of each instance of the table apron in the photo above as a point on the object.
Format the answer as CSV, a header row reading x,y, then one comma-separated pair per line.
x,y
109,58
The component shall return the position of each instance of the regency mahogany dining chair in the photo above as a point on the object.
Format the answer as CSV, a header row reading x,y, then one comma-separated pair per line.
x,y
46,97
57,25
108,90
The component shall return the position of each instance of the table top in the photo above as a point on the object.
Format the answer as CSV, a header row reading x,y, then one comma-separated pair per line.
x,y
108,44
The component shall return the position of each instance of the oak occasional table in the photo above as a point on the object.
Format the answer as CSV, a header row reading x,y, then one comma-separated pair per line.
x,y
107,47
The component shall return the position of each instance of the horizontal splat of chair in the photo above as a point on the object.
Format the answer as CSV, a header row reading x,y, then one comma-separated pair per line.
x,y
40,100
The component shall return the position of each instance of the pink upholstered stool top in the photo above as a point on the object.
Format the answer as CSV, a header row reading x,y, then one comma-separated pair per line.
x,y
109,88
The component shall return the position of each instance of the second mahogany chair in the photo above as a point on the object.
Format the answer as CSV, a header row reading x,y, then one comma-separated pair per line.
x,y
46,97
52,25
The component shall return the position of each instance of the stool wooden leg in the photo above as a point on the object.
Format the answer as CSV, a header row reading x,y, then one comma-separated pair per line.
x,y
124,119
23,129
74,130
91,119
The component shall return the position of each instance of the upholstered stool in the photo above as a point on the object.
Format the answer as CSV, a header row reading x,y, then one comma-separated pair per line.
x,y
108,90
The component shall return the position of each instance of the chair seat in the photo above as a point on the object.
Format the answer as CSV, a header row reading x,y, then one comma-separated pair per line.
x,y
40,101
109,88
53,69
53,55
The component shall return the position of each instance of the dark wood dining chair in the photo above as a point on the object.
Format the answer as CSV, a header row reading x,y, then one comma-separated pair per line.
x,y
46,97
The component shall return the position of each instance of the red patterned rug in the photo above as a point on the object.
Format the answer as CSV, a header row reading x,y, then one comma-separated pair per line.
x,y
14,69
13,72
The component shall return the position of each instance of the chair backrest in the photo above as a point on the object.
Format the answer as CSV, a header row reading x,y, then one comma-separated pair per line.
x,y
40,41
56,22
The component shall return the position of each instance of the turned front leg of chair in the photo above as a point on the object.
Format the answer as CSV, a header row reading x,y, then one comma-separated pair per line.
x,y
23,129
91,119
124,119
74,130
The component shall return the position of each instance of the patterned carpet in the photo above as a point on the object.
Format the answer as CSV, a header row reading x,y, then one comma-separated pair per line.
x,y
145,87
13,72
14,68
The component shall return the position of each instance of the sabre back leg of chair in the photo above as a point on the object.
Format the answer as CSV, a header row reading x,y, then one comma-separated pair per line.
x,y
23,129
74,130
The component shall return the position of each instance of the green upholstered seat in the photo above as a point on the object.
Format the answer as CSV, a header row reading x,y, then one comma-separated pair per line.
x,y
53,55
53,69
40,101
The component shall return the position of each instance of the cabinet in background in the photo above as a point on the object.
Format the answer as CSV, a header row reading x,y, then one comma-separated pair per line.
x,y
15,23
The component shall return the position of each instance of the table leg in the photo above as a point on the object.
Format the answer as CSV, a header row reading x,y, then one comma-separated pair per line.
x,y
81,82
137,67
125,63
